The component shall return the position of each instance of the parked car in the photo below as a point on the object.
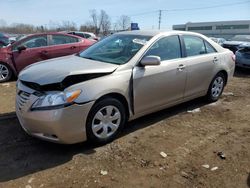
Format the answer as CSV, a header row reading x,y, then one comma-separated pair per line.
x,y
220,41
4,40
243,56
34,48
86,35
234,43
122,77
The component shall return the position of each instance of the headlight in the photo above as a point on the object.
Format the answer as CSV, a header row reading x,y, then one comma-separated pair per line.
x,y
55,100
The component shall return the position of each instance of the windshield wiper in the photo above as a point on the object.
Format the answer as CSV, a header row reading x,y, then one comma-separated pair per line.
x,y
89,58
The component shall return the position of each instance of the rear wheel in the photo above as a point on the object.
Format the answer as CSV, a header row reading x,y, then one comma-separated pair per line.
x,y
5,72
105,120
216,87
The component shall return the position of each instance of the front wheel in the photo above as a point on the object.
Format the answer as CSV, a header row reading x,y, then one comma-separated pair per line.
x,y
216,87
105,120
5,72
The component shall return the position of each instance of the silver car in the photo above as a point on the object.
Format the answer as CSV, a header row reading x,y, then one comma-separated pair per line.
x,y
243,56
91,95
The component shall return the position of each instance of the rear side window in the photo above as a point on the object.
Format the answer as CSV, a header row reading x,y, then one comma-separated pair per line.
x,y
87,36
80,35
62,39
209,48
166,48
194,45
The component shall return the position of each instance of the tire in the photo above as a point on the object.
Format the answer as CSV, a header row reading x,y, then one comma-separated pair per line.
x,y
100,125
216,87
5,73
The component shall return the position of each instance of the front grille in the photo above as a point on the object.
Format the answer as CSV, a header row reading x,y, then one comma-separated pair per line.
x,y
22,99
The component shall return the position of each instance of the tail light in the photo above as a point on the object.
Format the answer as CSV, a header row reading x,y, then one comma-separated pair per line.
x,y
233,57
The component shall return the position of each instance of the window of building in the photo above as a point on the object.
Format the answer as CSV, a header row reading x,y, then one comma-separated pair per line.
x,y
200,28
220,27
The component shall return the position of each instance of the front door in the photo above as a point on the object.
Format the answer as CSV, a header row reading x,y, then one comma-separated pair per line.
x,y
35,46
158,86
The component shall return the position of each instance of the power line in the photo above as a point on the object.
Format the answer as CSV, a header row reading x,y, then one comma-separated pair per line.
x,y
208,7
196,8
188,9
143,13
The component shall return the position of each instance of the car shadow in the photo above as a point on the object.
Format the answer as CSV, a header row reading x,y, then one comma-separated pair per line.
x,y
7,115
23,155
248,180
153,118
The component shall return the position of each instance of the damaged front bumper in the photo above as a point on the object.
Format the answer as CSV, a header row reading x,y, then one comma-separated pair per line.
x,y
64,125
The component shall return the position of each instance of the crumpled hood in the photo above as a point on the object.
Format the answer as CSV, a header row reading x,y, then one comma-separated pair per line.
x,y
56,70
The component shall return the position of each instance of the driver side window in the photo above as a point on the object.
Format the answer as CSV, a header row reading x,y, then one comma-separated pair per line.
x,y
34,42
166,48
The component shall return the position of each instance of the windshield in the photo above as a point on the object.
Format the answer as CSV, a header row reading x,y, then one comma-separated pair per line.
x,y
116,49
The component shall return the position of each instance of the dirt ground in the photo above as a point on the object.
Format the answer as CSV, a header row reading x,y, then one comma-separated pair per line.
x,y
190,140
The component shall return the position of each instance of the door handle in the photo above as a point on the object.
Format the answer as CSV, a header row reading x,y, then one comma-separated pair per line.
x,y
44,52
215,60
73,47
181,67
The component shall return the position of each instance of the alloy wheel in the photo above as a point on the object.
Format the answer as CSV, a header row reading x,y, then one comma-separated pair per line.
x,y
217,87
4,72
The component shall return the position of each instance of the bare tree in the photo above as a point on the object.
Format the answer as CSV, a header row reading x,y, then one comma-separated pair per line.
x,y
124,22
68,26
53,26
94,17
101,21
105,22
88,26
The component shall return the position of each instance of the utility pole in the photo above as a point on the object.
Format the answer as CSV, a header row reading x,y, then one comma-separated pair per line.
x,y
159,26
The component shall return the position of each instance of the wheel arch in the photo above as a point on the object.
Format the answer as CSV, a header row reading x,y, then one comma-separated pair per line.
x,y
119,97
11,69
225,75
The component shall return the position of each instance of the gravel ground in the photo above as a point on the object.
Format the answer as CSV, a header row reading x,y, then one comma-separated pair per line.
x,y
206,145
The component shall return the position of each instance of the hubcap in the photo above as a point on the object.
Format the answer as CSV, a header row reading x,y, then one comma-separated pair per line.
x,y
4,72
106,122
217,87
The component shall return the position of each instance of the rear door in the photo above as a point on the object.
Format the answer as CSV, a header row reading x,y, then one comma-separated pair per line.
x,y
34,52
62,45
158,86
201,60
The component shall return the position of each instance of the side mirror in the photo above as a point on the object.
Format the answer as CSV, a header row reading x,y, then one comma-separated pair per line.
x,y
21,48
150,60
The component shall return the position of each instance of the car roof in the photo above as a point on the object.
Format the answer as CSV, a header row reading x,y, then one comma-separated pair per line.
x,y
52,33
156,32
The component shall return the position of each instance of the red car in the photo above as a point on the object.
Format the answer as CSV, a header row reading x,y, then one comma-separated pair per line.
x,y
38,47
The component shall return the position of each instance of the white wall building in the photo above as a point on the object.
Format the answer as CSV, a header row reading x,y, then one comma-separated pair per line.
x,y
225,29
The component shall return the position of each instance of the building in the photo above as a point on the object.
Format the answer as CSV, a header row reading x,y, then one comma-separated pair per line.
x,y
224,29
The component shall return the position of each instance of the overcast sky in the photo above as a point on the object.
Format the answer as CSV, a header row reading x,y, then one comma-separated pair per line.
x,y
41,12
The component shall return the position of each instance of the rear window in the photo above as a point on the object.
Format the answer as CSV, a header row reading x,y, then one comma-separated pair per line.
x,y
63,39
